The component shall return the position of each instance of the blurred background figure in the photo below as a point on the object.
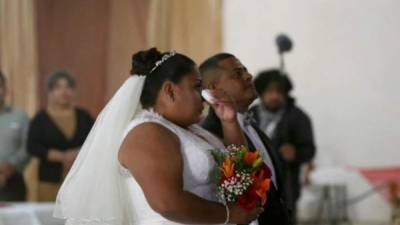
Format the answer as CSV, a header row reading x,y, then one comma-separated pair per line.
x,y
13,128
288,127
56,134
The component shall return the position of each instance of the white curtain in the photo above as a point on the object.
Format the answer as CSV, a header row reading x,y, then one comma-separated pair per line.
x,y
19,63
190,27
18,52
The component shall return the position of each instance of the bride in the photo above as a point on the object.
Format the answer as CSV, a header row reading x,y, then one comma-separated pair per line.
x,y
145,160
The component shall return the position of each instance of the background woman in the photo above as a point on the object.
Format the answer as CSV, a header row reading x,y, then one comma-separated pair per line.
x,y
56,134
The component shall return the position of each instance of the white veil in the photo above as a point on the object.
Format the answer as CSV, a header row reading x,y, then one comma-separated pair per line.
x,y
92,191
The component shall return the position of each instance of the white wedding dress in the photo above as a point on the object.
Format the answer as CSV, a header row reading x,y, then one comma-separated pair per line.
x,y
197,164
99,191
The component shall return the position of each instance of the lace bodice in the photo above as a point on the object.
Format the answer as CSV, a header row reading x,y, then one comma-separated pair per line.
x,y
197,164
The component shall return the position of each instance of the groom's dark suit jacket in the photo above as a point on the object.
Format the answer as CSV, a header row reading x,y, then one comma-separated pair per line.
x,y
275,210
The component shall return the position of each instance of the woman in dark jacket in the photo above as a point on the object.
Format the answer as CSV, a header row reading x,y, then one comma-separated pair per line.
x,y
56,134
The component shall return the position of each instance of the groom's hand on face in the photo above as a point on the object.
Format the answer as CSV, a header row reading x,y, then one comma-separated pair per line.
x,y
288,152
224,106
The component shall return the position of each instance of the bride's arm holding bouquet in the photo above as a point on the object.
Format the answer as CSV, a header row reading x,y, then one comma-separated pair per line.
x,y
152,154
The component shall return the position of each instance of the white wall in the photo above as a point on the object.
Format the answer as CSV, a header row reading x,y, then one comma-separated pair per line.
x,y
346,69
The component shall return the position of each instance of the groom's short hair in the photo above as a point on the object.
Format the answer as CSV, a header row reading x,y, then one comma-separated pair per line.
x,y
210,68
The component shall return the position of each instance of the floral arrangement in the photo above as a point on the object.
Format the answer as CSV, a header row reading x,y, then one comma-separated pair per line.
x,y
241,177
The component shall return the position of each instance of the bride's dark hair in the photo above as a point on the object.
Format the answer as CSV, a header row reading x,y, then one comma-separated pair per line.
x,y
173,69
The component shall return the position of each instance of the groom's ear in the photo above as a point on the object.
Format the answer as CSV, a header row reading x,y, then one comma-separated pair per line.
x,y
168,90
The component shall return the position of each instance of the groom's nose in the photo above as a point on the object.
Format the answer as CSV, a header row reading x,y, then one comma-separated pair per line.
x,y
247,76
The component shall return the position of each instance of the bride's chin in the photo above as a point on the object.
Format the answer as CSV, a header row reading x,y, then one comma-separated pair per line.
x,y
198,118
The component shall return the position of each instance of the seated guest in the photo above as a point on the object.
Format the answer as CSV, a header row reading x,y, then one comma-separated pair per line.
x,y
57,133
13,128
288,127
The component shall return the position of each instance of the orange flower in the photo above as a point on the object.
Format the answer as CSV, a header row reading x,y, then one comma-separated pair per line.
x,y
262,182
250,157
228,168
262,173
262,187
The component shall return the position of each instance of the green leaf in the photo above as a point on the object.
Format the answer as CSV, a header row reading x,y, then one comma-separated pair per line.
x,y
218,156
257,163
215,176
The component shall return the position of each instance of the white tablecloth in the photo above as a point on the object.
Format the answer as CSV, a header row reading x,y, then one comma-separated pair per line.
x,y
28,214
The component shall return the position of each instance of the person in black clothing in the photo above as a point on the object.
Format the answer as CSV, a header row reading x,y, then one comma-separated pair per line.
x,y
56,134
288,127
224,72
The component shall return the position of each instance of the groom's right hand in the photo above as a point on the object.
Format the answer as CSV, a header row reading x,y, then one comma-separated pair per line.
x,y
224,106
239,215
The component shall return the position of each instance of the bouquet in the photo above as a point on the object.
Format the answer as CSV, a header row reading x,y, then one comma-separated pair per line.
x,y
241,177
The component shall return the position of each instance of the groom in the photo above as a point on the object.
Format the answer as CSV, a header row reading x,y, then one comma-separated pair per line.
x,y
225,72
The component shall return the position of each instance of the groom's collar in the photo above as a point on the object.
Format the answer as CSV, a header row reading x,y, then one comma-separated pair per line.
x,y
246,118
240,118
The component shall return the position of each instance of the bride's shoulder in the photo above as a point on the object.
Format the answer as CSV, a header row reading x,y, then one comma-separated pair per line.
x,y
148,117
151,130
149,126
151,136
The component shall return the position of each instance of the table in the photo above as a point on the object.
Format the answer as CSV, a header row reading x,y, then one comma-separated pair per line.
x,y
28,214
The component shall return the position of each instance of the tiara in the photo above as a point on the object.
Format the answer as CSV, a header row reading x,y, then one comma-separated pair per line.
x,y
163,59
